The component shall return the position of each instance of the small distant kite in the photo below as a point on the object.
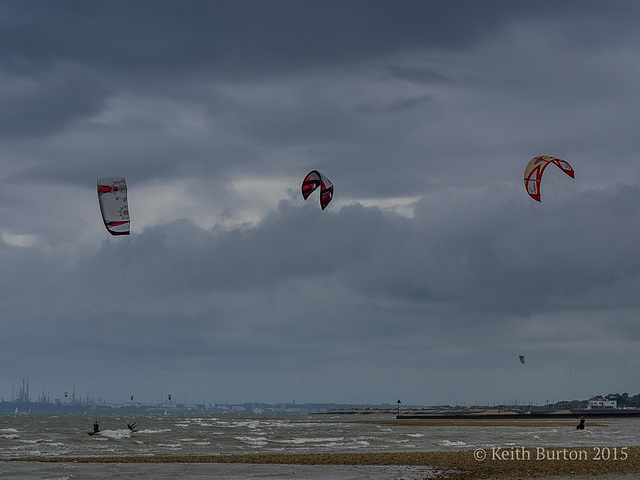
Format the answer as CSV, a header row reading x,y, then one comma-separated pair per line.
x,y
534,170
521,358
314,180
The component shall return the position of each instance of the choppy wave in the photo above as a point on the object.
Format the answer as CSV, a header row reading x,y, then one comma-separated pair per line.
x,y
449,443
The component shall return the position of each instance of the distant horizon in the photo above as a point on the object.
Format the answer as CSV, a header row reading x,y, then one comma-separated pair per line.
x,y
175,400
169,398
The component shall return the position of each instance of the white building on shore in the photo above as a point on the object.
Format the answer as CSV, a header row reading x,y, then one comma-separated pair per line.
x,y
599,402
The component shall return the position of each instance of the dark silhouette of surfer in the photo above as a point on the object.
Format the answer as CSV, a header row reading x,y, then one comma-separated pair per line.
x,y
96,427
581,424
132,426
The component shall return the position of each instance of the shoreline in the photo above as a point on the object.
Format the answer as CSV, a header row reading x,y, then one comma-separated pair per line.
x,y
548,463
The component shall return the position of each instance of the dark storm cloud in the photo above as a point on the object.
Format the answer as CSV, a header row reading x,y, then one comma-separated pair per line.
x,y
247,37
238,301
231,36
173,49
47,104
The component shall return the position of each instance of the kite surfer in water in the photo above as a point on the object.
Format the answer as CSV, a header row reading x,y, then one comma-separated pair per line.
x,y
132,426
96,427
581,424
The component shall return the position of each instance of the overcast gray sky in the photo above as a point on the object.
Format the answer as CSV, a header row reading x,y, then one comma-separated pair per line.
x,y
427,276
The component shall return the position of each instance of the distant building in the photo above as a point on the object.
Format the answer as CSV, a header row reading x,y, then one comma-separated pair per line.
x,y
599,402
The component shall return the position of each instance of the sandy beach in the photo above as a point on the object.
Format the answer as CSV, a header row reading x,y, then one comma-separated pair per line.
x,y
557,463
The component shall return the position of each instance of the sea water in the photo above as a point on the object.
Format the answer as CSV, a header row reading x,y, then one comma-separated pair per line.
x,y
51,436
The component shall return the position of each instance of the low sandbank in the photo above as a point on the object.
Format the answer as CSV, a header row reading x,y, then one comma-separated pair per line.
x,y
556,463
475,422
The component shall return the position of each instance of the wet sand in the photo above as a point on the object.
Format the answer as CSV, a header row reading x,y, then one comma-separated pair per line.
x,y
519,463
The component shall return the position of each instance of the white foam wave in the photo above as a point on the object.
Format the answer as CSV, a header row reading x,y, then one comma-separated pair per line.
x,y
358,444
303,440
449,443
113,433
540,432
255,441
